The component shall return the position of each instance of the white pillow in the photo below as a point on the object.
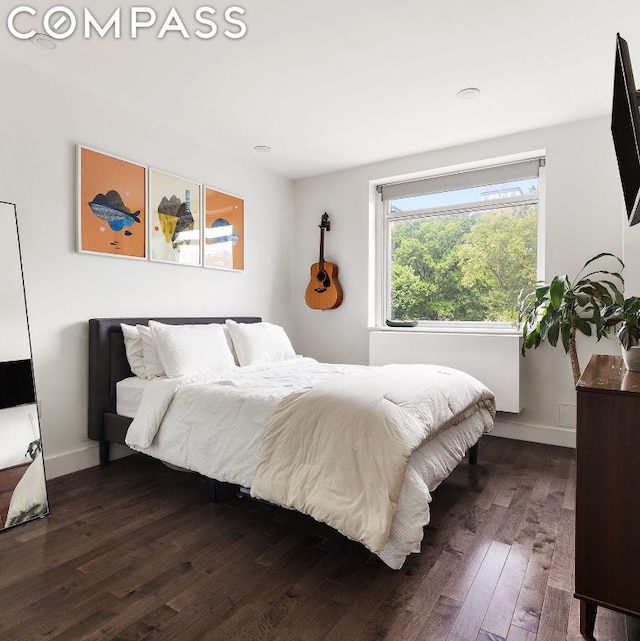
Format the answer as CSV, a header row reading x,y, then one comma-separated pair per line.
x,y
134,350
232,349
152,363
188,350
260,343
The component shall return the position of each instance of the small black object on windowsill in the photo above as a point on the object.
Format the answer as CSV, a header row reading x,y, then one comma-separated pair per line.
x,y
401,323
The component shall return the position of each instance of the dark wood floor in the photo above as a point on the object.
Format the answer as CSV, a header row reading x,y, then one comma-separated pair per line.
x,y
135,551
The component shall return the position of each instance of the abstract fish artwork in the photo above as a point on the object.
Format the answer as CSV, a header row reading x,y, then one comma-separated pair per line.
x,y
111,205
175,217
110,208
175,231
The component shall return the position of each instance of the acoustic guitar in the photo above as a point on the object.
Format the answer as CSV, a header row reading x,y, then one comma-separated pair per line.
x,y
323,290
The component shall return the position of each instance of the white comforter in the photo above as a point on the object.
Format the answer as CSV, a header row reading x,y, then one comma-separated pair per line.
x,y
216,426
339,451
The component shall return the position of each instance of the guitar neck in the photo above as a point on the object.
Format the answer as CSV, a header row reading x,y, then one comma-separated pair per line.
x,y
324,226
321,260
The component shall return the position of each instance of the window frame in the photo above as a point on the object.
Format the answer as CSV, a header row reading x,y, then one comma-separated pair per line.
x,y
384,217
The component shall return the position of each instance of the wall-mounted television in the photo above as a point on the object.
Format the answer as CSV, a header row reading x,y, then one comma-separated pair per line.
x,y
625,127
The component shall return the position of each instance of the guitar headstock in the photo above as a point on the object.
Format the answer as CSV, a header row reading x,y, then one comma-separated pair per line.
x,y
324,223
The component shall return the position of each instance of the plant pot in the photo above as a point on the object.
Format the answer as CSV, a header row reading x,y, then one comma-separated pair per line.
x,y
631,358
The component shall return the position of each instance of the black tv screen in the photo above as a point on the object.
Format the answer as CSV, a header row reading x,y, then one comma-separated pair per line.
x,y
16,383
625,127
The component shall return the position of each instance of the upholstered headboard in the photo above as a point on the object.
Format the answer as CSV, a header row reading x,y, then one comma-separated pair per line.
x,y
108,364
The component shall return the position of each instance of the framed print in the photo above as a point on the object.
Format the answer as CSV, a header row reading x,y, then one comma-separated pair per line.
x,y
174,219
111,205
224,230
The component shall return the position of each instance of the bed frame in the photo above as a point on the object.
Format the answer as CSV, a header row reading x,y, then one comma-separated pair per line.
x,y
108,364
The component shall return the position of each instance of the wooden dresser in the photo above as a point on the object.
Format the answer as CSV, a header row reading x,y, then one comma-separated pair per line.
x,y
607,490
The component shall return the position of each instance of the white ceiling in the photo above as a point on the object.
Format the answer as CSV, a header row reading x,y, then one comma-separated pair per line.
x,y
339,83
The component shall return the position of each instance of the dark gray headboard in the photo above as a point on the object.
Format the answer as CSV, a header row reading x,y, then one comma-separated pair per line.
x,y
108,364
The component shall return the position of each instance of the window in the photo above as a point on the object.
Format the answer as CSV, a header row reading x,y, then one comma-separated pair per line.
x,y
461,246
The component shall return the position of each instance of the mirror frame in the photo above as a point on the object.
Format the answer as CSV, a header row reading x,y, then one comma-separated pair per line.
x,y
34,483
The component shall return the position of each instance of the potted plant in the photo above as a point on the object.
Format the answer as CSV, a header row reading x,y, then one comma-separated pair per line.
x,y
627,317
559,309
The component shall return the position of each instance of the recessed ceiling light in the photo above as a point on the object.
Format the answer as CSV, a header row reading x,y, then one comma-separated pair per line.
x,y
262,149
44,41
468,93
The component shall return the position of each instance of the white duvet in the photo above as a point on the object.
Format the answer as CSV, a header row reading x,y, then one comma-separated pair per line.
x,y
216,426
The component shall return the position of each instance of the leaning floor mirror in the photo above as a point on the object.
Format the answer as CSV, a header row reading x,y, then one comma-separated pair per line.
x,y
23,493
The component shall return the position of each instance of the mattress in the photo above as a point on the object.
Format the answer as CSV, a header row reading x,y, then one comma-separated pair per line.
x,y
129,394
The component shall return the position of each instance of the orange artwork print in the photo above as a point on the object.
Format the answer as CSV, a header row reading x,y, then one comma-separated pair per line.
x,y
224,230
112,212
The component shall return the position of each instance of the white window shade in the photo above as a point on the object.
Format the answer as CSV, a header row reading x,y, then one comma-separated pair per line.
x,y
521,170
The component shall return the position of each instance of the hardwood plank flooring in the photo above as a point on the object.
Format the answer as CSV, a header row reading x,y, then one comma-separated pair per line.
x,y
135,552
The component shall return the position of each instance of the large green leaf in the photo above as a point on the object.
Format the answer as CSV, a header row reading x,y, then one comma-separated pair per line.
x,y
617,275
596,319
553,332
556,290
584,326
631,305
624,336
582,299
602,255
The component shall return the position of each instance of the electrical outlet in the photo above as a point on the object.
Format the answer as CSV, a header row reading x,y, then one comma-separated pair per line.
x,y
566,415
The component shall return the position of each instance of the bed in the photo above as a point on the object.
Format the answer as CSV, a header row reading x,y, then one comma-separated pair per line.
x,y
359,448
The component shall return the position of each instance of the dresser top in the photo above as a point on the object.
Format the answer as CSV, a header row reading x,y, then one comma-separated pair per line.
x,y
606,373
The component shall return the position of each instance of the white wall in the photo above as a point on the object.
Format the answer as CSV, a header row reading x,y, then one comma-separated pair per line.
x,y
42,120
584,216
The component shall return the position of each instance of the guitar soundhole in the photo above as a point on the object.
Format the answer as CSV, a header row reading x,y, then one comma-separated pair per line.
x,y
323,277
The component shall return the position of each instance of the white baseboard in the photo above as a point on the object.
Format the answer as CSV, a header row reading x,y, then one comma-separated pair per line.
x,y
80,459
550,435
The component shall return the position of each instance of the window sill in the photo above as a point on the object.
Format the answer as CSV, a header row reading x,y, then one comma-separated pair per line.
x,y
444,328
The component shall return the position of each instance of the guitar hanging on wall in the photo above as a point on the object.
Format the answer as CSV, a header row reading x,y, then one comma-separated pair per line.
x,y
323,290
